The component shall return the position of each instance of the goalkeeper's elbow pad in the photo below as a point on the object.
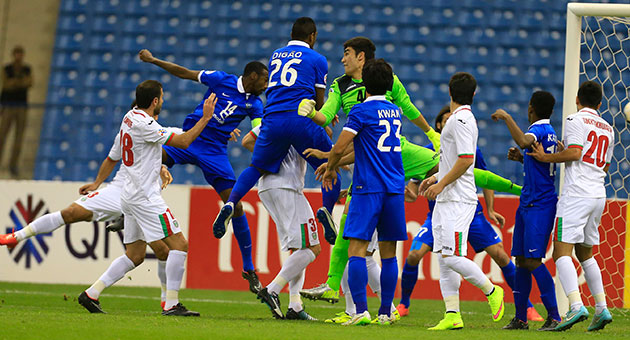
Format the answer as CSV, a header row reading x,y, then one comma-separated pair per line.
x,y
434,137
307,108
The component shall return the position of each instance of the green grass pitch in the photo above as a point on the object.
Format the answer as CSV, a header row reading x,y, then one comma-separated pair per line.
x,y
40,311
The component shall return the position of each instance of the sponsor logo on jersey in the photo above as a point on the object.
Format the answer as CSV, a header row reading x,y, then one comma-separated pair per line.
x,y
162,132
35,248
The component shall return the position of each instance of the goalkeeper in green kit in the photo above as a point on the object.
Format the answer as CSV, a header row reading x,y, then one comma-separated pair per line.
x,y
418,162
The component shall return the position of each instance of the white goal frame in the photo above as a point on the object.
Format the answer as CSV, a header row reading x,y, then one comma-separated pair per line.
x,y
575,12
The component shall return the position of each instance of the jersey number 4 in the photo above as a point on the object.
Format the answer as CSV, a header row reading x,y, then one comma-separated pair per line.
x,y
288,76
126,144
599,146
388,132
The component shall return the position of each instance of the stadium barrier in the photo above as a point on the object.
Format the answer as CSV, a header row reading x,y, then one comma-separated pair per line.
x,y
79,253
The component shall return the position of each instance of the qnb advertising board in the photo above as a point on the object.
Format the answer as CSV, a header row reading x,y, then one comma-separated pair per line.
x,y
75,253
79,253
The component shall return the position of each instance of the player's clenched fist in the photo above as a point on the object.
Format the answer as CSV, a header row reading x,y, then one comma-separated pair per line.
x,y
208,106
515,155
146,56
499,114
307,108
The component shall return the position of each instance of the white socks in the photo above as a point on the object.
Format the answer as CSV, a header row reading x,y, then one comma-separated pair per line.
x,y
292,267
345,288
569,279
115,272
450,282
470,271
175,265
161,271
593,276
295,285
42,225
374,274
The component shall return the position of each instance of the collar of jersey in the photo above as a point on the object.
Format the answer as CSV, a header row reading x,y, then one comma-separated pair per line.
x,y
370,98
589,110
540,121
466,107
239,85
298,43
138,111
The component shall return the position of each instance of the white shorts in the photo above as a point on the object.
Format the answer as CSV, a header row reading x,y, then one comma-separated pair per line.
x,y
373,245
293,217
148,221
451,221
104,203
577,220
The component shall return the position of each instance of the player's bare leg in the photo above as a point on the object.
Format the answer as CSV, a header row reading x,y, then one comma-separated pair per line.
x,y
47,223
244,240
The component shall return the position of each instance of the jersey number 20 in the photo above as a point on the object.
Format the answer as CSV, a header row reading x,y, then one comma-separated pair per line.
x,y
388,131
601,145
288,76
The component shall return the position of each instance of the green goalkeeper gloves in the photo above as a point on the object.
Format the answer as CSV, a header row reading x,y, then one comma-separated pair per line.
x,y
434,137
307,108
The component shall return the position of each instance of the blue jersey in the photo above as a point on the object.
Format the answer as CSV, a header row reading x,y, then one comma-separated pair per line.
x,y
294,72
377,159
539,178
233,105
480,163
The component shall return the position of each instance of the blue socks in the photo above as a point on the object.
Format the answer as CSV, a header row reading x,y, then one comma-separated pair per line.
x,y
330,197
523,286
244,239
408,282
509,273
357,281
547,290
389,279
244,183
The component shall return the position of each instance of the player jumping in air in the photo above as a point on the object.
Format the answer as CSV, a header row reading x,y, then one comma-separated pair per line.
x,y
590,140
237,98
296,72
455,193
378,185
534,217
482,236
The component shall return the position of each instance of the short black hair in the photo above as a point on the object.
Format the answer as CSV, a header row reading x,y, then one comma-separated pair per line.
x,y
445,109
378,77
254,66
542,102
146,92
462,86
361,44
590,94
302,28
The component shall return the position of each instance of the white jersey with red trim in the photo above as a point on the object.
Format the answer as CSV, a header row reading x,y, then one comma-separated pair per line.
x,y
593,135
458,139
140,146
291,173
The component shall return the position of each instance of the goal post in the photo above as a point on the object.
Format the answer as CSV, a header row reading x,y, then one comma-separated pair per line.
x,y
598,48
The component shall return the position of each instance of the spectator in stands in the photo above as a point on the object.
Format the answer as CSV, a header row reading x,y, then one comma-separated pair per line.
x,y
16,79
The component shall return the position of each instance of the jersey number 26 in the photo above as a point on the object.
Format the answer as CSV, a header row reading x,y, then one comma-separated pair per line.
x,y
288,76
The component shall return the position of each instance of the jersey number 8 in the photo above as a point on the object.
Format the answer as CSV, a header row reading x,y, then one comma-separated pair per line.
x,y
288,76
126,143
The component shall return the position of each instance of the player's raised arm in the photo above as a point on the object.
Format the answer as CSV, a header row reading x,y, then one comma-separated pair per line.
x,y
185,139
172,68
524,141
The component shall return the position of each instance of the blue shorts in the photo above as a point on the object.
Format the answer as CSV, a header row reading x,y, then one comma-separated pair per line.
x,y
481,235
376,211
213,162
279,131
532,230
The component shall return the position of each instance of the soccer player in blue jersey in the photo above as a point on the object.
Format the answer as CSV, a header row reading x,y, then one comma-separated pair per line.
x,y
296,72
536,211
378,185
237,99
482,237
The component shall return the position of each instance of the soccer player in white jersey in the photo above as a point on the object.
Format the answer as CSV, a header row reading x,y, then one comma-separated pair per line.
x,y
455,193
147,217
589,139
282,196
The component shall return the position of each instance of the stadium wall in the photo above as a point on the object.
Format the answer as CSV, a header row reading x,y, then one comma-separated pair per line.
x,y
79,253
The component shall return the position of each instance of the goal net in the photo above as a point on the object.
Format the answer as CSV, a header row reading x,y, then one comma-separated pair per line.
x,y
598,48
